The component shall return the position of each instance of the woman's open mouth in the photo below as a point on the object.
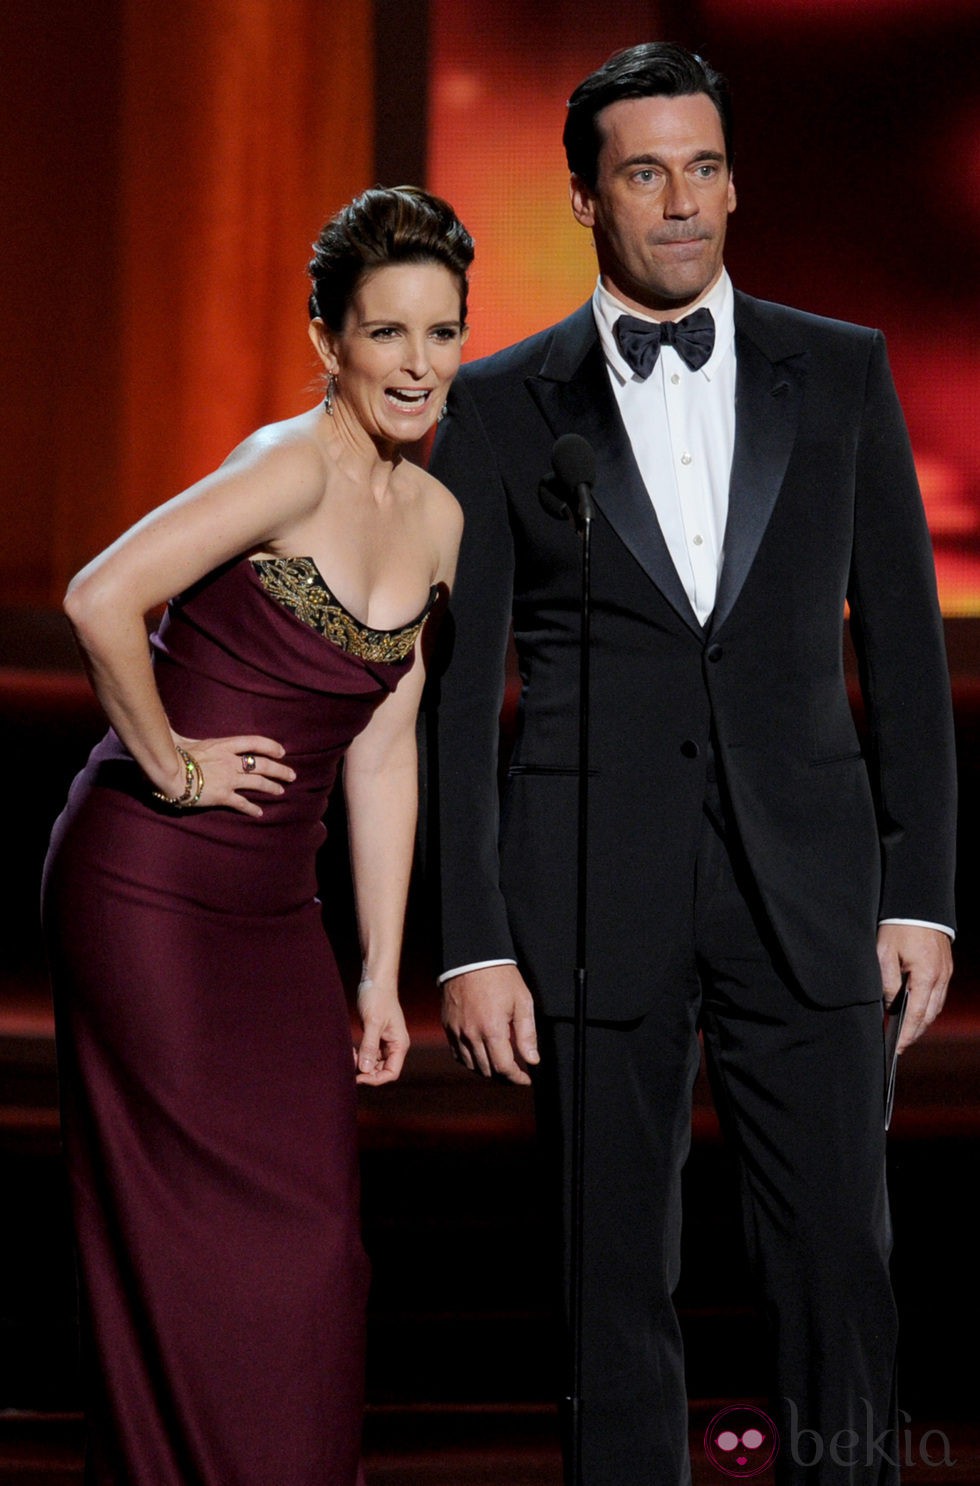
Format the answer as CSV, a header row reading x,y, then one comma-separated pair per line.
x,y
408,399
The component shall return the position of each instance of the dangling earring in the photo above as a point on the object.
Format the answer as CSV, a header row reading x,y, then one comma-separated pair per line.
x,y
441,413
331,391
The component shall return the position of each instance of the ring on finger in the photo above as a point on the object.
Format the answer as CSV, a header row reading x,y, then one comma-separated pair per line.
x,y
248,763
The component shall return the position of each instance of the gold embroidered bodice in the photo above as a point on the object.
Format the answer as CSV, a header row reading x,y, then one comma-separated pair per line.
x,y
298,584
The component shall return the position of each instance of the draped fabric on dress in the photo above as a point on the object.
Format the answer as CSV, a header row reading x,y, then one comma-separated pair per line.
x,y
206,1070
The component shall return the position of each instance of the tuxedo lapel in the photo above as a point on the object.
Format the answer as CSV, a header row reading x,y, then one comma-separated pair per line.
x,y
770,379
573,392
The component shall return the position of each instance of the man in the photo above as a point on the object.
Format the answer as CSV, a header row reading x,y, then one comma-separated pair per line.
x,y
751,873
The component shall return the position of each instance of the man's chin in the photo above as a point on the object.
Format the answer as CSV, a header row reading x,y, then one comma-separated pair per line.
x,y
670,293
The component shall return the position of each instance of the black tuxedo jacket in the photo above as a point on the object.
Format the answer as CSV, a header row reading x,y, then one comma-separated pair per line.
x,y
824,506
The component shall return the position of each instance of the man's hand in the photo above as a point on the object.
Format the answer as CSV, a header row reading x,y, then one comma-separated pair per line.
x,y
927,956
489,1019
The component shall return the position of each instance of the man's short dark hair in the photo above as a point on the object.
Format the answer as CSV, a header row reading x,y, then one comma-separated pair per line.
x,y
652,69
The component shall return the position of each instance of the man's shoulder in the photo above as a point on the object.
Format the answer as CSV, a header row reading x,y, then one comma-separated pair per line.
x,y
526,357
788,324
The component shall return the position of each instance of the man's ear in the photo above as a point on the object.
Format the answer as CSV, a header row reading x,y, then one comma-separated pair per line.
x,y
324,343
583,201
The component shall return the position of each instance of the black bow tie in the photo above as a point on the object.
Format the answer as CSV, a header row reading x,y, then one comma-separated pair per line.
x,y
693,338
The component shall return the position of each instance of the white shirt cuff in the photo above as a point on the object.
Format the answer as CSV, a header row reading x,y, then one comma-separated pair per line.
x,y
477,965
919,923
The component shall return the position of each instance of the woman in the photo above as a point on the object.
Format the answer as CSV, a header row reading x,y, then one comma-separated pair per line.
x,y
207,1086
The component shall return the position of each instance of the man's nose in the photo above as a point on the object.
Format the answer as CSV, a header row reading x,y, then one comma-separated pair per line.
x,y
679,200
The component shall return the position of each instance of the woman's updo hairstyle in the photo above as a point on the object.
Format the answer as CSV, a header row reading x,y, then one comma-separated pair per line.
x,y
400,224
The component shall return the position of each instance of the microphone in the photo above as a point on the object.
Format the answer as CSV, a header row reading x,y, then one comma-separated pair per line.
x,y
567,490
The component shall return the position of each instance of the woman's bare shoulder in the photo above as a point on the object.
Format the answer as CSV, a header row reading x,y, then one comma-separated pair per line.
x,y
287,450
444,520
441,505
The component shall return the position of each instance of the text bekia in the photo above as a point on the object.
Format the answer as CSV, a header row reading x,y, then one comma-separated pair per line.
x,y
854,1446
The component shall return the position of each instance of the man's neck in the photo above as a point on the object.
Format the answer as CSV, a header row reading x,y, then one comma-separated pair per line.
x,y
656,311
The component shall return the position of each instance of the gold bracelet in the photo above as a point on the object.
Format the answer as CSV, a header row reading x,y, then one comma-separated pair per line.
x,y
193,776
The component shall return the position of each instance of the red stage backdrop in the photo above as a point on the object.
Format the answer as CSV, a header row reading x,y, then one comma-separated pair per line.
x,y
858,168
164,170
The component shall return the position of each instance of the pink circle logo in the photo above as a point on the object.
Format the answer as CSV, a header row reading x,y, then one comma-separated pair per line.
x,y
741,1441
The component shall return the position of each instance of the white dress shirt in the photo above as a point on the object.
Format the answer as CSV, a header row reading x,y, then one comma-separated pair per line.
x,y
681,425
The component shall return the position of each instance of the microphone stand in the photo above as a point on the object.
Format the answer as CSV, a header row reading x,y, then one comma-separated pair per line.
x,y
583,523
573,475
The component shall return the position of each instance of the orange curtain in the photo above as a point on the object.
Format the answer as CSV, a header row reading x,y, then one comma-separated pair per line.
x,y
515,63
178,160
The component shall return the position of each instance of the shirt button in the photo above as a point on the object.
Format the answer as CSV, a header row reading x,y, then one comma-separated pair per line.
x,y
697,541
674,378
687,459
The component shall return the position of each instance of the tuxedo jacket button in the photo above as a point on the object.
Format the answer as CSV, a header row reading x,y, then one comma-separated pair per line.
x,y
689,748
714,652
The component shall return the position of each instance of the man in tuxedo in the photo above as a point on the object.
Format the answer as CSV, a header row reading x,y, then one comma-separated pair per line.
x,y
754,872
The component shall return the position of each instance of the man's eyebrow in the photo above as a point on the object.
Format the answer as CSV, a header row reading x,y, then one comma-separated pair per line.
x,y
648,158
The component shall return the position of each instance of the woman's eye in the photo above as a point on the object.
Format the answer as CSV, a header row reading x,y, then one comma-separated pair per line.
x,y
384,333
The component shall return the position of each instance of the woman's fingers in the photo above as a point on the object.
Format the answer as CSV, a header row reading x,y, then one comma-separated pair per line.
x,y
260,756
381,1055
245,762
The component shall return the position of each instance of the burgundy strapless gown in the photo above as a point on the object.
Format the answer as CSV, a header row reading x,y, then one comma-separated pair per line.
x,y
205,1060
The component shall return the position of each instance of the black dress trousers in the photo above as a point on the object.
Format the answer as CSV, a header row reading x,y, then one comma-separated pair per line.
x,y
799,1092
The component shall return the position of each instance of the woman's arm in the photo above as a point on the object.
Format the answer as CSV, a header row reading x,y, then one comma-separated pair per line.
x,y
381,790
261,488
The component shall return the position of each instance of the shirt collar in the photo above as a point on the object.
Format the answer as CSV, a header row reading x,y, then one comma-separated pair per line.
x,y
720,300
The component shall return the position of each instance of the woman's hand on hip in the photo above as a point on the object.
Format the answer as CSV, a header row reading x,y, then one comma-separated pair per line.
x,y
229,765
